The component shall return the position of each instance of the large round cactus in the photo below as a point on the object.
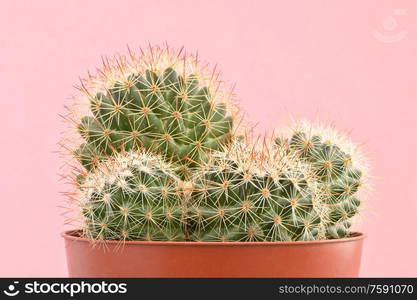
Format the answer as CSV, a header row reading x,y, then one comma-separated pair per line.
x,y
132,196
162,100
250,194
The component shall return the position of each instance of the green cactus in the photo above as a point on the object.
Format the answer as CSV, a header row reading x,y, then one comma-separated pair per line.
x,y
133,196
163,101
254,195
339,175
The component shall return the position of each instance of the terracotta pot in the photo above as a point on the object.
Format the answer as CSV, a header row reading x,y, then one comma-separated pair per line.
x,y
328,258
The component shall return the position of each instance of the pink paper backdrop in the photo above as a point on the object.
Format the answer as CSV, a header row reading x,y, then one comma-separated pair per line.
x,y
350,62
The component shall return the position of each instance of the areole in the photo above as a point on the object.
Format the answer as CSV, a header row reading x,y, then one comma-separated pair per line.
x,y
324,258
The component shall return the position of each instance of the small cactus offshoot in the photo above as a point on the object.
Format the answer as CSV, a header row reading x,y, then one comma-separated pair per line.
x,y
162,100
339,168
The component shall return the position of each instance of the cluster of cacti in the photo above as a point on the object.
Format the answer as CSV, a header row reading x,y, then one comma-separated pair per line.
x,y
132,196
163,101
160,161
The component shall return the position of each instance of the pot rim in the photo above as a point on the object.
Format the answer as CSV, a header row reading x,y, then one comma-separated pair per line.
x,y
70,235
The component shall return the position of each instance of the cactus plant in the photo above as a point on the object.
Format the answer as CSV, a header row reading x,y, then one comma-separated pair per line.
x,y
254,193
132,196
162,100
339,168
161,161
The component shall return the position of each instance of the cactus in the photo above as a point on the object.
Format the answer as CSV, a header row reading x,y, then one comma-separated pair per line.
x,y
161,161
254,193
339,168
162,100
132,196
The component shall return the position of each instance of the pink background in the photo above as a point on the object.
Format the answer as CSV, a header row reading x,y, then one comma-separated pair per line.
x,y
307,59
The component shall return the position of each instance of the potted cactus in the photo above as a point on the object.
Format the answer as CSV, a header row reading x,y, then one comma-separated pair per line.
x,y
164,186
